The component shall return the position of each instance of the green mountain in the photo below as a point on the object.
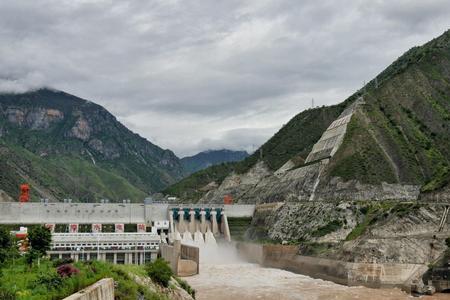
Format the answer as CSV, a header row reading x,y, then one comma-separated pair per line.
x,y
67,147
398,133
293,140
209,158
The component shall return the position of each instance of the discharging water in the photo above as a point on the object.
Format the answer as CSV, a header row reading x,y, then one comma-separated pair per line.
x,y
224,276
244,281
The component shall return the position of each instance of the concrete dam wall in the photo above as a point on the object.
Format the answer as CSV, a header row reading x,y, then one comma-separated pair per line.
x,y
372,275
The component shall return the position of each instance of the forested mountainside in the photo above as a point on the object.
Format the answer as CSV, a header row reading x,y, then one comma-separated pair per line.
x,y
399,133
67,147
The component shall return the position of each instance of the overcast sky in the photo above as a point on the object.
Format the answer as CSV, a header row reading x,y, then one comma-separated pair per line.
x,y
197,75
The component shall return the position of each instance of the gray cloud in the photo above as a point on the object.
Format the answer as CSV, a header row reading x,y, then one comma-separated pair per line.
x,y
192,75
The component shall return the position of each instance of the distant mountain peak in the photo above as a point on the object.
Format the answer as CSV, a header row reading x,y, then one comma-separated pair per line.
x,y
211,157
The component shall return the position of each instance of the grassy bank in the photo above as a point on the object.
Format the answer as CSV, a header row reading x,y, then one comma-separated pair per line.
x,y
42,282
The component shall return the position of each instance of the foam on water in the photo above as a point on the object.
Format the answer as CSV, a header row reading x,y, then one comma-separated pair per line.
x,y
250,281
187,238
198,238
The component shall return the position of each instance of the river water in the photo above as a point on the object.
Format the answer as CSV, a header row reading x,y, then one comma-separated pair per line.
x,y
243,281
225,276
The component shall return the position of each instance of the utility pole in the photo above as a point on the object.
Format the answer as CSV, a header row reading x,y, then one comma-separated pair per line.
x,y
261,153
312,102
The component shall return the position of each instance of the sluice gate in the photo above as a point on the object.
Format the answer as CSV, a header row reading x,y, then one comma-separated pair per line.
x,y
198,224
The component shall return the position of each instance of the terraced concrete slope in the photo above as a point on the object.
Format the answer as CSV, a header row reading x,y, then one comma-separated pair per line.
x,y
67,147
390,140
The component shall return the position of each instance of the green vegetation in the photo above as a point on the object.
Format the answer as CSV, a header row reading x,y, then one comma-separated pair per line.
x,y
374,212
8,248
160,272
18,281
66,147
63,177
315,249
209,158
284,145
332,226
31,278
40,239
447,242
185,286
360,157
192,187
401,133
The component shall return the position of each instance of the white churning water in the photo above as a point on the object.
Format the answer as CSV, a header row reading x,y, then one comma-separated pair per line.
x,y
223,277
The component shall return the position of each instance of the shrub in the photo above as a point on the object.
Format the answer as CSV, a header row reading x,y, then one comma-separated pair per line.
x,y
328,228
31,256
7,294
49,280
447,242
185,286
7,247
67,270
160,272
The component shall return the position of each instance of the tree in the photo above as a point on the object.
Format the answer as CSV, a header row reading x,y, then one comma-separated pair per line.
x,y
40,238
7,245
160,272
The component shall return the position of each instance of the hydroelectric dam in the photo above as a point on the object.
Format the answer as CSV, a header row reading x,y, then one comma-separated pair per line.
x,y
127,233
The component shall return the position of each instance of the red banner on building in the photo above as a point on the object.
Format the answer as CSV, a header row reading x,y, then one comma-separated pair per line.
x,y
141,228
119,228
73,228
96,228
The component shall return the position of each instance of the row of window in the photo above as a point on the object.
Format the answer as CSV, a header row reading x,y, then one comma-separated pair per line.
x,y
57,245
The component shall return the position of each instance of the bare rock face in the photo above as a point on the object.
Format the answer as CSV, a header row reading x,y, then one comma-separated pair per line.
x,y
338,189
97,145
303,221
81,130
259,185
33,118
237,184
394,232
15,116
4,197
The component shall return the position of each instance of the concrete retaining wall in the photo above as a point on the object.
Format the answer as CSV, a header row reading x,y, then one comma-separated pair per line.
x,y
183,259
101,290
347,273
171,255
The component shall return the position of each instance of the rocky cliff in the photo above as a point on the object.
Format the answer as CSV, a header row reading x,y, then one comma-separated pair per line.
x,y
382,232
72,148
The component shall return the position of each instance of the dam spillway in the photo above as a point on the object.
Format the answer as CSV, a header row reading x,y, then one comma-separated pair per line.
x,y
198,226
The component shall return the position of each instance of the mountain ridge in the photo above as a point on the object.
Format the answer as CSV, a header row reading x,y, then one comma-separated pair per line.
x,y
46,126
209,158
404,118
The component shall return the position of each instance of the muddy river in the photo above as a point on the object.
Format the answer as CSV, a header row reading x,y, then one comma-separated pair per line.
x,y
241,281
